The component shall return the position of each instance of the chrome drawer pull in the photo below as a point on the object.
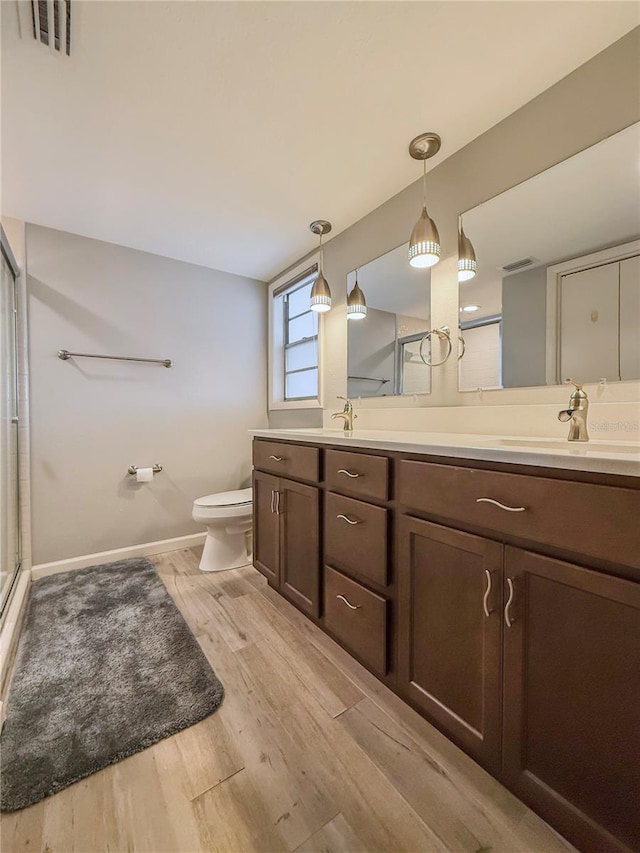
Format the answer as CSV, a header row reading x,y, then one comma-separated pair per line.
x,y
502,506
277,458
507,618
487,593
348,603
348,473
349,520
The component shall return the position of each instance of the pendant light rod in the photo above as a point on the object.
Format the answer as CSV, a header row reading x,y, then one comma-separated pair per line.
x,y
320,292
424,245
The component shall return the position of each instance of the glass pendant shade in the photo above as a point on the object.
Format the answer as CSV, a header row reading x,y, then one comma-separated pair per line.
x,y
320,295
424,245
356,304
467,264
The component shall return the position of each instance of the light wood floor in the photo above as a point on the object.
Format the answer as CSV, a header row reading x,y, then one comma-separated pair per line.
x,y
308,752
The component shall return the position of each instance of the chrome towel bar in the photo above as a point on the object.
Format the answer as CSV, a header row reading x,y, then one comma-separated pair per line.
x,y
64,354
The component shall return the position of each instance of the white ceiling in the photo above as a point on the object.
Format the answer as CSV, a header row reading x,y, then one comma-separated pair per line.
x,y
214,132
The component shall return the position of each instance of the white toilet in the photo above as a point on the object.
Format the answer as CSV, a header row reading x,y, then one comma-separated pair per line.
x,y
227,516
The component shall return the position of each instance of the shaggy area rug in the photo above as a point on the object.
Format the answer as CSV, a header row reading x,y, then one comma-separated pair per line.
x,y
106,666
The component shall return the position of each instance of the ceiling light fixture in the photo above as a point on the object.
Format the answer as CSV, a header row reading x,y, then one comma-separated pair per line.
x,y
356,303
467,264
424,245
320,292
469,309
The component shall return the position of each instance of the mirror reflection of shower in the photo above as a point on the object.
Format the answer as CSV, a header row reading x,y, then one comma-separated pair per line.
x,y
9,478
383,347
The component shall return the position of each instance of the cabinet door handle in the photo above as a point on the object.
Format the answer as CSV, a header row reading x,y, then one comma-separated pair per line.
x,y
278,503
507,616
277,458
273,499
487,593
502,506
349,473
348,603
349,520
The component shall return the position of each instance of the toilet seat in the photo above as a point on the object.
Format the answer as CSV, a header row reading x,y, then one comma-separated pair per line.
x,y
239,497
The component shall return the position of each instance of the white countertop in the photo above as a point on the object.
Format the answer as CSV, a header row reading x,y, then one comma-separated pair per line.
x,y
607,457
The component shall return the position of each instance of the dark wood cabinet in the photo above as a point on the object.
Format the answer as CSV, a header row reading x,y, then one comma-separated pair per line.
x,y
358,618
266,527
299,512
466,588
286,520
572,699
449,644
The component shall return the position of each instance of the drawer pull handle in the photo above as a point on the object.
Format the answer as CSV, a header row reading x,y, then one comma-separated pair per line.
x,y
349,473
507,616
277,458
349,520
487,593
348,603
502,506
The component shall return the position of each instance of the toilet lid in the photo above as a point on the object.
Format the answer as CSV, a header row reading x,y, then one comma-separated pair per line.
x,y
237,498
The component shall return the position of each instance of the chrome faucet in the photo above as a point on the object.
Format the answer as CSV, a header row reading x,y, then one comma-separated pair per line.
x,y
576,414
347,414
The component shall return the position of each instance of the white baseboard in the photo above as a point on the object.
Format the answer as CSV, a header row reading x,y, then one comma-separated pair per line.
x,y
147,549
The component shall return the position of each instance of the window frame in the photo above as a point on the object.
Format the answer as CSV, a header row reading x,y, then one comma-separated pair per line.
x,y
277,344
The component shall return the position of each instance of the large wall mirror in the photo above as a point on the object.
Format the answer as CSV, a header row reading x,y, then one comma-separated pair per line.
x,y
386,352
556,293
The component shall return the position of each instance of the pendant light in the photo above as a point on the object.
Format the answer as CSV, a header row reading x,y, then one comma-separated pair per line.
x,y
320,292
467,264
424,245
356,303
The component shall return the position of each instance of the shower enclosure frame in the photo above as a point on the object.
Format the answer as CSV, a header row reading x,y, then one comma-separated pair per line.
x,y
12,330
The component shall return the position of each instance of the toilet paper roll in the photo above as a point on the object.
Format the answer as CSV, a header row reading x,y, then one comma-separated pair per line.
x,y
144,475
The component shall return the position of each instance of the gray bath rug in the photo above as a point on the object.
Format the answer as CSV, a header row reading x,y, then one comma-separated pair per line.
x,y
106,666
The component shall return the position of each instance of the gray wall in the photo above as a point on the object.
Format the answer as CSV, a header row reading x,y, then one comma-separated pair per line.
x,y
91,419
595,101
372,352
524,328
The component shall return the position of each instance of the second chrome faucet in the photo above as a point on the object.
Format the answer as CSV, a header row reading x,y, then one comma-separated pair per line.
x,y
576,414
346,414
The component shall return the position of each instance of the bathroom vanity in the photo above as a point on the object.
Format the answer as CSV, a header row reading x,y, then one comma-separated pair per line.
x,y
495,587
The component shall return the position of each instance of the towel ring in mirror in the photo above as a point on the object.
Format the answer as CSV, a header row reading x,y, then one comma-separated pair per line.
x,y
445,335
462,351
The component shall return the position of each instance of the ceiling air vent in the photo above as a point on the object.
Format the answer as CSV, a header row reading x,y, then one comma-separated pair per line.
x,y
51,21
518,265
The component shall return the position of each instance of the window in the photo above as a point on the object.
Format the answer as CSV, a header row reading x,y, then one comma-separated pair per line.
x,y
294,339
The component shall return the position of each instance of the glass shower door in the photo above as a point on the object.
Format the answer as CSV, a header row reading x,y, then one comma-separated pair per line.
x,y
9,478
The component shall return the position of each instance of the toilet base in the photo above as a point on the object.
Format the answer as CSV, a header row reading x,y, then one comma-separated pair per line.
x,y
225,550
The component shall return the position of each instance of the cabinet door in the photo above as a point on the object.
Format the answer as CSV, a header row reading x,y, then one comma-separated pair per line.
x,y
266,539
450,608
299,508
572,699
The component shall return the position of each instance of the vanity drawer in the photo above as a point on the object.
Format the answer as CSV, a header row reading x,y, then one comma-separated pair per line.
x,y
357,473
597,521
355,537
358,618
288,460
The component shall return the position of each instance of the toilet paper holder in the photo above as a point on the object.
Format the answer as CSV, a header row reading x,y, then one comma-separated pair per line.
x,y
132,469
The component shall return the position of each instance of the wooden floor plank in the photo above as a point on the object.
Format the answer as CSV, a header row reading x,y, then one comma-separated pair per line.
x,y
308,752
337,836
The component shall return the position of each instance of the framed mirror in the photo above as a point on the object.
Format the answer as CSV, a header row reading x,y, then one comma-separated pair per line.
x,y
384,347
556,292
